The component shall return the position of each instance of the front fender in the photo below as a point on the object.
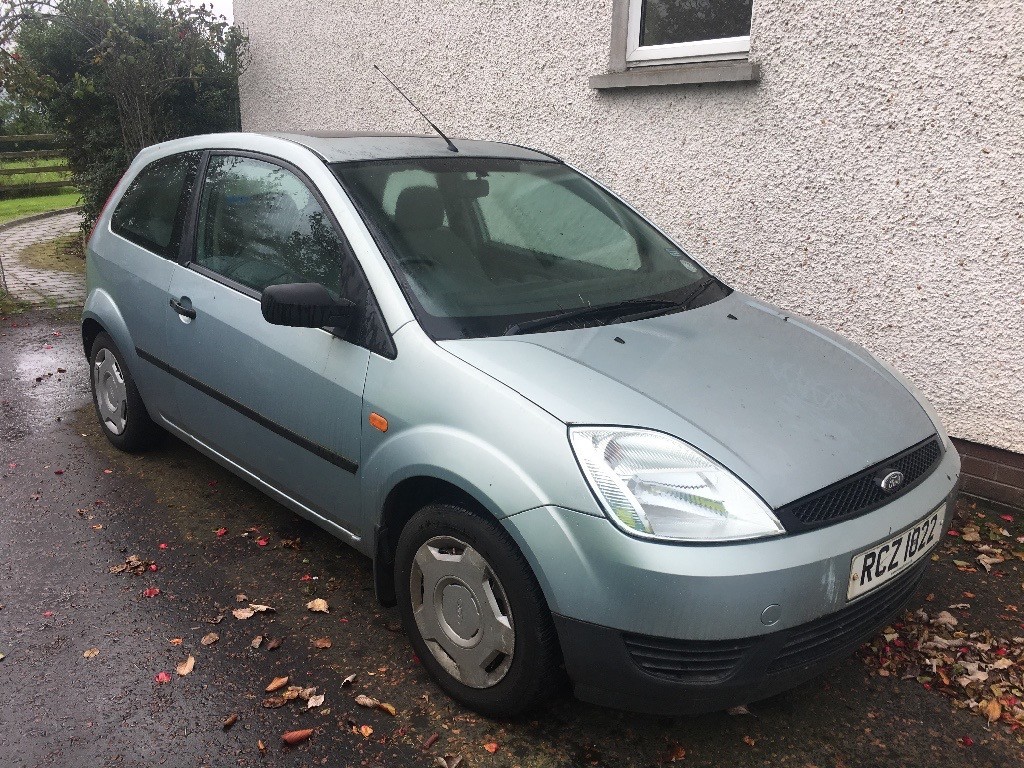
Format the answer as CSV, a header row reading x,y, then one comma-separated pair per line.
x,y
480,469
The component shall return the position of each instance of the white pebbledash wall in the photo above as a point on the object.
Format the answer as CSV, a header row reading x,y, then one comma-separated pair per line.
x,y
873,180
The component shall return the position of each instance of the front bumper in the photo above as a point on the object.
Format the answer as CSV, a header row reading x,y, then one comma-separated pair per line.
x,y
681,629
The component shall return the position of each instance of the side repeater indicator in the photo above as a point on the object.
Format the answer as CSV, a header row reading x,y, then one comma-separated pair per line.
x,y
378,422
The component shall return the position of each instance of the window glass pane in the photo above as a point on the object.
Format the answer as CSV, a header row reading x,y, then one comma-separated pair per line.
x,y
520,214
684,21
481,243
260,225
148,209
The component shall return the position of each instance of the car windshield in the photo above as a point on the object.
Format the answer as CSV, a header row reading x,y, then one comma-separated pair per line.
x,y
492,246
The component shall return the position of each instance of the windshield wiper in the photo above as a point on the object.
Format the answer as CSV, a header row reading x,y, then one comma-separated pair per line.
x,y
624,309
694,293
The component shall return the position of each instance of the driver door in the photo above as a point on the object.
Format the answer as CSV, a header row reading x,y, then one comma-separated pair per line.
x,y
282,404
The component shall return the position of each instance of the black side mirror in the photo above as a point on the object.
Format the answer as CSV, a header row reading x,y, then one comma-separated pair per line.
x,y
304,305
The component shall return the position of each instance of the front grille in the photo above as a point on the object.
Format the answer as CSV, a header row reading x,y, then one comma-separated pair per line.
x,y
860,493
687,661
846,629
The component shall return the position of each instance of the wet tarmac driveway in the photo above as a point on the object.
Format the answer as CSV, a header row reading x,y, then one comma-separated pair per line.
x,y
83,646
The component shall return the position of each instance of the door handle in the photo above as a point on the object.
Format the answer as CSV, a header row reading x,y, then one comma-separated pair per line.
x,y
181,309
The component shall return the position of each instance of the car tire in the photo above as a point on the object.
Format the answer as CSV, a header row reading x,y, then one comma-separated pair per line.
x,y
474,612
119,408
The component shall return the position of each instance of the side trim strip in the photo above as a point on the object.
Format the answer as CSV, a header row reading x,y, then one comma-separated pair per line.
x,y
315,448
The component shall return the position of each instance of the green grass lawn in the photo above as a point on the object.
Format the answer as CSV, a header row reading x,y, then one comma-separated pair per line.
x,y
63,254
46,162
17,207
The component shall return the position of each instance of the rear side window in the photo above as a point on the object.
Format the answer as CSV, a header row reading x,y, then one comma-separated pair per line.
x,y
151,210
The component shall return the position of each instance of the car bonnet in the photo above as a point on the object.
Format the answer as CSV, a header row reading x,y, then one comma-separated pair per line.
x,y
786,405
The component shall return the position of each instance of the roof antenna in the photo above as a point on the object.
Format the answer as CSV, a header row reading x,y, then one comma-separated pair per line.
x,y
448,141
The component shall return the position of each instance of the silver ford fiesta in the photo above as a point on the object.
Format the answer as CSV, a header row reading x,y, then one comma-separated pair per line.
x,y
570,450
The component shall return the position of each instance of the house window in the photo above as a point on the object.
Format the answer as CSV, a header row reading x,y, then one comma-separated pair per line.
x,y
675,31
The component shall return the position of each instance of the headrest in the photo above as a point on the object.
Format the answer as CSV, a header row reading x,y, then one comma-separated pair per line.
x,y
419,208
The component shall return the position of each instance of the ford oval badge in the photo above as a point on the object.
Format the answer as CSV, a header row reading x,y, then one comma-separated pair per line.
x,y
891,481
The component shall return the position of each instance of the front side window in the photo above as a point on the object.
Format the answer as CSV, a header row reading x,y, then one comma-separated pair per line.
x,y
489,246
151,210
665,31
260,225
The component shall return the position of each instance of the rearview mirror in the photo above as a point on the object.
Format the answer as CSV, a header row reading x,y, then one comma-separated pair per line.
x,y
304,305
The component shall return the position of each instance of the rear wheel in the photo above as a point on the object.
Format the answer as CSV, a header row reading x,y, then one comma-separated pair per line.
x,y
119,408
474,612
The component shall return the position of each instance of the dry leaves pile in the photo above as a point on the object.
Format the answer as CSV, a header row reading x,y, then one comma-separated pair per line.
x,y
981,671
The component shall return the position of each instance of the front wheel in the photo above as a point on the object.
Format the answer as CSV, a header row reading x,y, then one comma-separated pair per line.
x,y
474,612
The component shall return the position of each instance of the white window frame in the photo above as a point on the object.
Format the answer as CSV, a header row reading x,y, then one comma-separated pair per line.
x,y
673,53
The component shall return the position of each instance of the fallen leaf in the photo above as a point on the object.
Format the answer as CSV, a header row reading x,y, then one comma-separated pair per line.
x,y
317,605
431,740
366,730
967,741
273,702
91,653
389,708
749,741
276,684
209,638
258,608
221,531
291,738
945,618
292,693
739,709
274,644
162,677
229,721
47,614
243,613
240,598
186,666
151,592
262,541
261,746
491,746
677,754
993,710
256,641
348,680
315,701
175,641
366,701
163,546
307,693
322,642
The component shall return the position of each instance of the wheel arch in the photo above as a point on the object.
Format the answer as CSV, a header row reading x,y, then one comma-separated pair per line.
x,y
403,501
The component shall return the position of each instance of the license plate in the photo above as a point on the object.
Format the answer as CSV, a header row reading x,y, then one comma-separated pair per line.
x,y
873,567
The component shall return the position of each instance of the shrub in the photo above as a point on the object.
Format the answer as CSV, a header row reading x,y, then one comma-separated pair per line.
x,y
114,76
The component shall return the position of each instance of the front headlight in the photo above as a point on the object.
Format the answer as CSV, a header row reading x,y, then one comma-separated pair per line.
x,y
654,485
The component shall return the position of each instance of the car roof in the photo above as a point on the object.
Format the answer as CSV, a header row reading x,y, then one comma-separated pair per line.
x,y
342,147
